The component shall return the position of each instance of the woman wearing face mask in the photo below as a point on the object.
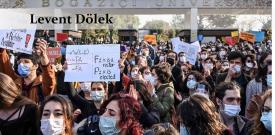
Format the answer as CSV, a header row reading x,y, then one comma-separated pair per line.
x,y
250,68
260,83
135,74
191,81
120,116
222,53
262,124
18,115
56,116
89,107
201,117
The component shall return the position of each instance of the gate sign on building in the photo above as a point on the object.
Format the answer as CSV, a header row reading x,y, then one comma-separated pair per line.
x,y
234,4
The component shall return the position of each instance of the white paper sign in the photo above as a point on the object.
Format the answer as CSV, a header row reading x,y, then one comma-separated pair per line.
x,y
191,50
17,40
208,39
176,43
92,63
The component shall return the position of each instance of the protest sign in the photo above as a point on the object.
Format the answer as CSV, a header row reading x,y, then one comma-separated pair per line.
x,y
229,40
208,39
92,63
53,53
17,40
61,36
234,33
235,40
191,50
247,37
151,38
176,43
259,35
200,37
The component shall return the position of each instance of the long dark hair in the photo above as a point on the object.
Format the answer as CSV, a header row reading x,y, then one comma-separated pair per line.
x,y
262,68
199,115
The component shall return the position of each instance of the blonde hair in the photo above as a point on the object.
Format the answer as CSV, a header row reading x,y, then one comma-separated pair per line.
x,y
8,90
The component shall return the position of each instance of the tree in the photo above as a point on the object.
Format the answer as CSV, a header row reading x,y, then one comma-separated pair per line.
x,y
102,32
161,27
126,22
177,24
216,21
266,21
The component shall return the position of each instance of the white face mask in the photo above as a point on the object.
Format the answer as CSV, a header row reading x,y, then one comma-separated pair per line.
x,y
232,110
147,77
97,95
209,66
133,74
237,68
213,49
222,53
203,56
191,84
52,126
249,64
182,59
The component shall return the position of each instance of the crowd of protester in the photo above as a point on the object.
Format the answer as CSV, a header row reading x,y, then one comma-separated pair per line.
x,y
226,92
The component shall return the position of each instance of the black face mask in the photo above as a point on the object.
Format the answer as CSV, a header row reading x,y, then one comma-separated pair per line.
x,y
171,61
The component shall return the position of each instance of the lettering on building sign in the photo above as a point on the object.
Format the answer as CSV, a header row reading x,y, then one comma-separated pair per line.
x,y
156,3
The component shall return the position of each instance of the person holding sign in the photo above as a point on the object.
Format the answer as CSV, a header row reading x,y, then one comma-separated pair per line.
x,y
34,86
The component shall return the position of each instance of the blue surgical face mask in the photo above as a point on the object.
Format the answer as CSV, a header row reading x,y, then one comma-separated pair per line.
x,y
269,80
266,119
97,96
23,70
107,125
232,110
183,131
191,84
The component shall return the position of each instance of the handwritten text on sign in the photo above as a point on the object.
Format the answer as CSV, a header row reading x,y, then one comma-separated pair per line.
x,y
18,40
190,50
92,63
53,53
